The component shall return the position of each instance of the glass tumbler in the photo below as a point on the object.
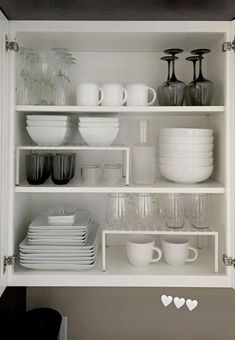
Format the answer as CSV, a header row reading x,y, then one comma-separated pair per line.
x,y
198,211
174,211
147,208
112,174
61,168
118,212
90,174
36,168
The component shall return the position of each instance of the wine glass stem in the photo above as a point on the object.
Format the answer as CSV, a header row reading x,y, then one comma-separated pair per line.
x,y
194,69
200,67
169,66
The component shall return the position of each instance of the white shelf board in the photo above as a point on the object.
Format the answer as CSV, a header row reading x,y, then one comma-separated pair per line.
x,y
161,186
158,110
75,147
121,274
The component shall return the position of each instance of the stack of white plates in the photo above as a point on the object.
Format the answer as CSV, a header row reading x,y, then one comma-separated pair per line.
x,y
50,130
98,131
60,247
186,155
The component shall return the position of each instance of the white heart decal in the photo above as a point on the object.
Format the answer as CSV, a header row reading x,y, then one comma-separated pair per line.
x,y
191,304
179,302
166,300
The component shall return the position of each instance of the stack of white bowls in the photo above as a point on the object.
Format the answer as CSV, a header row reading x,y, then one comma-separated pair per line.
x,y
51,130
186,155
98,131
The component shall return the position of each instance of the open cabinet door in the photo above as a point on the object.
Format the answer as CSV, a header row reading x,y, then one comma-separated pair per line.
x,y
3,111
233,149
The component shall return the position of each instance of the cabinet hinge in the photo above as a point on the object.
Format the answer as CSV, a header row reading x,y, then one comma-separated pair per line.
x,y
228,261
228,46
8,261
11,45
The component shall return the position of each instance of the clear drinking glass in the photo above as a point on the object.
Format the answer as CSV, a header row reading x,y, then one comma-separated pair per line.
x,y
198,211
194,60
91,174
174,210
112,174
118,212
147,209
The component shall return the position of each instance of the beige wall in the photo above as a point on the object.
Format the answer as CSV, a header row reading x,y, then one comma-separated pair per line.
x,y
137,313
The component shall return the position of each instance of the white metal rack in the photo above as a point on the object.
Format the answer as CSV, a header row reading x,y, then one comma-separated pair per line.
x,y
160,230
124,149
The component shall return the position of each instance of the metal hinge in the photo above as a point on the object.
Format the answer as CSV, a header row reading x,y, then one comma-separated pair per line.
x,y
228,46
11,45
8,261
228,261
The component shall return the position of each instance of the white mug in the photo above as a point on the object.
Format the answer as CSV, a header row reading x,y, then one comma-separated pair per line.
x,y
176,251
137,95
114,94
89,95
140,251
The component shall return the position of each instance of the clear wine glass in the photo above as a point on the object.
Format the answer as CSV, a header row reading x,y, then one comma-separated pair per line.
x,y
162,91
194,60
201,89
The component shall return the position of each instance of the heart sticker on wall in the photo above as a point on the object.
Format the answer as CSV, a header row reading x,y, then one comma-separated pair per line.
x,y
179,302
191,304
166,300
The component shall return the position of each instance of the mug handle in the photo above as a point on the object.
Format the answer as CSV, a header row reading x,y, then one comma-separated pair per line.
x,y
195,255
158,250
101,95
154,95
125,95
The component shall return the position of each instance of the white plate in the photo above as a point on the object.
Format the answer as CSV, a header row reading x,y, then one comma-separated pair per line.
x,y
58,267
49,261
89,245
98,119
82,221
49,252
49,117
53,257
65,213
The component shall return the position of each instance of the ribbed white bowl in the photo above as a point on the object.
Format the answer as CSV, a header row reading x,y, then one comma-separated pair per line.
x,y
186,147
185,139
186,174
186,161
186,132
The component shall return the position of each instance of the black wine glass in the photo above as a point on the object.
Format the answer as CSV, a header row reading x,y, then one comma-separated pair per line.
x,y
163,89
201,89
193,59
174,92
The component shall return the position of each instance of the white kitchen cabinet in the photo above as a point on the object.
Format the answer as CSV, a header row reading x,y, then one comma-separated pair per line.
x,y
121,52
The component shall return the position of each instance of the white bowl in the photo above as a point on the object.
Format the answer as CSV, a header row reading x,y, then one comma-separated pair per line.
x,y
186,161
185,139
186,147
48,136
186,174
185,154
48,117
98,136
186,132
49,123
99,119
99,125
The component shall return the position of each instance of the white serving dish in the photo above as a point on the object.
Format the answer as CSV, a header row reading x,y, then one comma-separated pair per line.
x,y
185,139
186,161
185,154
99,125
98,119
186,147
104,136
186,132
48,136
48,117
186,174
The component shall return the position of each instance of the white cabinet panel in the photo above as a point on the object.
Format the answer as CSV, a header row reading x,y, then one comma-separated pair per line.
x,y
3,108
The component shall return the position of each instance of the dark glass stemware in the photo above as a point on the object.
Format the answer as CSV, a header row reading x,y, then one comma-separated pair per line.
x,y
193,59
201,89
173,93
163,89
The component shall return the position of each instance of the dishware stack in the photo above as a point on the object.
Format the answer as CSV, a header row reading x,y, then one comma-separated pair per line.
x,y
98,131
60,239
186,155
50,130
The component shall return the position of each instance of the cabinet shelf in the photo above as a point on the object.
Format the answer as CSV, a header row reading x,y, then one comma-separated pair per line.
x,y
155,110
121,274
161,186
